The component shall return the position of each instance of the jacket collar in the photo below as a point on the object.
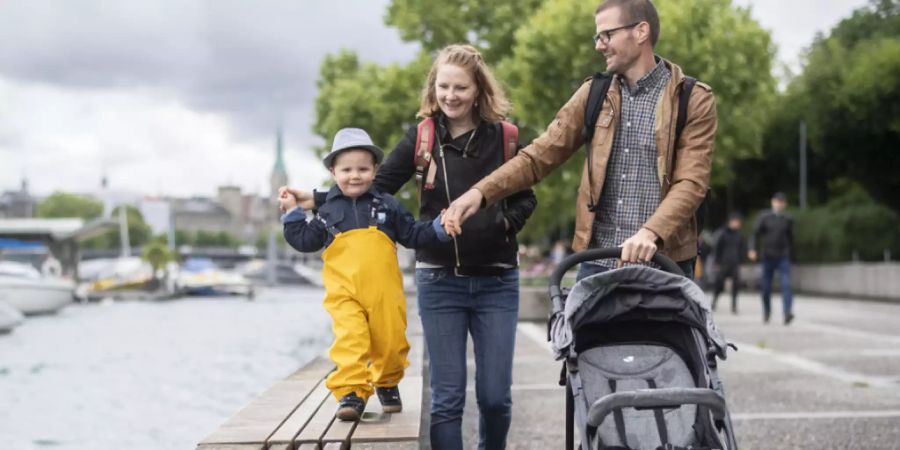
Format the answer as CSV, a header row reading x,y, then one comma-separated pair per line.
x,y
481,131
335,192
676,77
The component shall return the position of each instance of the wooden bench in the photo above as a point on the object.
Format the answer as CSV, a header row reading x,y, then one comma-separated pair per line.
x,y
298,413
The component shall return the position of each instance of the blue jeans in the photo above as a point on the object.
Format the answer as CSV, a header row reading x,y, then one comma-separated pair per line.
x,y
451,308
783,266
588,269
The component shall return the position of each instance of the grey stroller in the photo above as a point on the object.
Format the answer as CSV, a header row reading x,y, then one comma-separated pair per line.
x,y
640,352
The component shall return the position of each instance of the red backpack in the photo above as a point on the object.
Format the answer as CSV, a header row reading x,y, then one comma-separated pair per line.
x,y
422,156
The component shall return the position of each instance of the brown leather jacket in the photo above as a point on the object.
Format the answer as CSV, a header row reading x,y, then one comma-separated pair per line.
x,y
682,183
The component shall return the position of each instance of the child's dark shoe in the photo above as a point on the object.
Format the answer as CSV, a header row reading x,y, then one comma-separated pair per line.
x,y
390,399
351,408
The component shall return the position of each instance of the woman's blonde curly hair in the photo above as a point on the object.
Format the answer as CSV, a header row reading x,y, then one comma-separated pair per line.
x,y
491,103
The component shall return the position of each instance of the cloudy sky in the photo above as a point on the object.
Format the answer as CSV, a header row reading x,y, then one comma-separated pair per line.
x,y
176,97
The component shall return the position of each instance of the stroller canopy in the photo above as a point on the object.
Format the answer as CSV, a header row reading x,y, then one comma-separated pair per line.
x,y
636,289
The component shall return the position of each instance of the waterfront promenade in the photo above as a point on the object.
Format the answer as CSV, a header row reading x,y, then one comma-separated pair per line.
x,y
830,380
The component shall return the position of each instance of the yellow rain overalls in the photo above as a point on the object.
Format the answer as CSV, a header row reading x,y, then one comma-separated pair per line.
x,y
364,295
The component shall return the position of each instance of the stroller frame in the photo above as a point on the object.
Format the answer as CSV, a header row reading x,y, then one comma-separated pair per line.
x,y
719,429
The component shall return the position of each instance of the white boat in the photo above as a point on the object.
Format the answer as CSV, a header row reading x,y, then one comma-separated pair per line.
x,y
25,289
9,318
199,276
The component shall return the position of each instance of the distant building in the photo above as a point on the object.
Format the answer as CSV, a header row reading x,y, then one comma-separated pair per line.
x,y
18,204
199,213
157,213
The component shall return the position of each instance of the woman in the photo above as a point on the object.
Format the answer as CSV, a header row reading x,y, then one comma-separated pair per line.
x,y
470,285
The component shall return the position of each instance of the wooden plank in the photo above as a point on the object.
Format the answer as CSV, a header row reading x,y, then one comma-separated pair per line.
x,y
339,431
377,426
316,369
386,446
291,427
255,422
413,324
416,356
230,447
336,446
317,426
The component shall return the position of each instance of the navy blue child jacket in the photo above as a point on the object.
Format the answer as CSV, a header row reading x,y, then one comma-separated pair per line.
x,y
340,214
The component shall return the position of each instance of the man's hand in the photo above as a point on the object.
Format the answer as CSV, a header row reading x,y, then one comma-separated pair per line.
x,y
752,255
640,247
461,209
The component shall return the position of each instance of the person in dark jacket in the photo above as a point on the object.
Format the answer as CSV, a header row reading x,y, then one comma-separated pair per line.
x,y
469,285
773,241
727,255
362,280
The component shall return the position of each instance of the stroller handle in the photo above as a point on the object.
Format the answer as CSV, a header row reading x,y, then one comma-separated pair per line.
x,y
602,253
656,398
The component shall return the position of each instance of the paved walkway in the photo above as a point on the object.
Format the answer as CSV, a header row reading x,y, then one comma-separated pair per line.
x,y
831,380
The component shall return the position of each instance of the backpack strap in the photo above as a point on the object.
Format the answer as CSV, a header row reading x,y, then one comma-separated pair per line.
x,y
683,100
600,83
510,140
425,171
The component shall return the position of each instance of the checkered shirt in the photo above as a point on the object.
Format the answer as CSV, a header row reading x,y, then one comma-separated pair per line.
x,y
631,188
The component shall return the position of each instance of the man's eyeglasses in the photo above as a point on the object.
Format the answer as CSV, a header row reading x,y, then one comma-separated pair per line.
x,y
605,35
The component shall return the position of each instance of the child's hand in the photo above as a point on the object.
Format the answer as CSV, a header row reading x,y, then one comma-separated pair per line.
x,y
446,228
286,200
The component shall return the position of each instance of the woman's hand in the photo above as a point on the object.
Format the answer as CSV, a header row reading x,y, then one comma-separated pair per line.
x,y
304,199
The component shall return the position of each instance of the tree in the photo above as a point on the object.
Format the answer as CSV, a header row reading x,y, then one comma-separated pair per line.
x,y
849,96
157,254
541,51
139,233
64,204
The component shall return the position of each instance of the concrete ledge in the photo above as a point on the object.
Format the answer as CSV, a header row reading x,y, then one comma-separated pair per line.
x,y
534,304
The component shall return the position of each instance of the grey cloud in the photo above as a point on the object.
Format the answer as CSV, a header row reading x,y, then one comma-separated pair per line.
x,y
256,61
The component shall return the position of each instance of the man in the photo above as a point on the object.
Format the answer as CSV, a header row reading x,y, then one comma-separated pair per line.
x,y
727,255
773,234
647,186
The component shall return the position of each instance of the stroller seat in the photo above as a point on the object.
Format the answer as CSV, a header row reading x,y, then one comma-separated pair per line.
x,y
617,368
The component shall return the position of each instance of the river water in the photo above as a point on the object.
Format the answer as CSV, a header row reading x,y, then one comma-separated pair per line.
x,y
150,375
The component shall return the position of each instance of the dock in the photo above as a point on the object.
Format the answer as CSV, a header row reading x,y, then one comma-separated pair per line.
x,y
827,381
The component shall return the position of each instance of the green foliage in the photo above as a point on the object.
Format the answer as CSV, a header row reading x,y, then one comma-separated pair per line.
x,y
63,204
203,238
852,222
157,254
849,97
262,240
139,233
490,26
541,51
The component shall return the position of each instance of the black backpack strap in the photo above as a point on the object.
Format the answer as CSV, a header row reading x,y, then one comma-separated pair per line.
x,y
599,87
683,100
